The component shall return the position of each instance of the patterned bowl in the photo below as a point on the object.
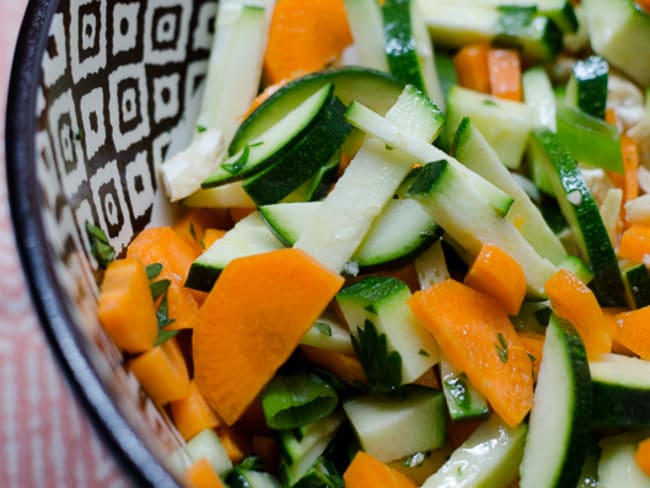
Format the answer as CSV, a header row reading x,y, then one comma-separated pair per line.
x,y
101,91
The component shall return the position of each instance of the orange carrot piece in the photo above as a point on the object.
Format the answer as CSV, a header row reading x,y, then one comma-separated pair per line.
x,y
504,67
125,308
162,372
251,322
304,37
572,300
235,442
201,474
635,243
644,4
642,455
347,368
366,470
495,273
210,236
191,227
471,64
612,316
534,344
163,245
634,332
630,151
479,339
192,414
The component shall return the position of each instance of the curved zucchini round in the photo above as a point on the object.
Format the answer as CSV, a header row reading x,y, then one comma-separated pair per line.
x,y
559,426
373,88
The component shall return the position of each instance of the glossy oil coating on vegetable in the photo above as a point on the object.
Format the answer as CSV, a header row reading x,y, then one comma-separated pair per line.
x,y
420,254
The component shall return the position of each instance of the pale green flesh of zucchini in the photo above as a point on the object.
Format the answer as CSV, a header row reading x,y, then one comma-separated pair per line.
x,y
561,413
400,229
468,218
366,26
463,400
392,427
617,465
368,184
472,149
489,458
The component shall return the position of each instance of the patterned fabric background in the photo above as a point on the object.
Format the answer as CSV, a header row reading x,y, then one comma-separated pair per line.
x,y
120,86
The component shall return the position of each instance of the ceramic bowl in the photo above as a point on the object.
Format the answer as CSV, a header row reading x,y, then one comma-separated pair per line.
x,y
100,92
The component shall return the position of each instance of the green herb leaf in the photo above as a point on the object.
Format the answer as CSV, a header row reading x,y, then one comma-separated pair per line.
x,y
240,163
251,463
165,335
422,352
162,314
201,129
193,231
153,270
100,246
158,288
502,348
383,368
324,328
531,357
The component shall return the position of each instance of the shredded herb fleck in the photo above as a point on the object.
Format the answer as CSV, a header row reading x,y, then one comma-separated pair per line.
x,y
201,129
502,348
240,163
153,270
324,328
193,231
159,288
422,352
100,246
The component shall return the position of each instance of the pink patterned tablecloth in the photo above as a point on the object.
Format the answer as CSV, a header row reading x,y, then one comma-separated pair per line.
x,y
45,439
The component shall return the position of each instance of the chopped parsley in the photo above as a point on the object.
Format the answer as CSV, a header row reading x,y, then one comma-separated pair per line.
x,y
383,368
240,163
159,288
502,348
324,328
153,270
100,246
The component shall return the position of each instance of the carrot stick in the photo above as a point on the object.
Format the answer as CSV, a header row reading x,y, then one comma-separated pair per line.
x,y
304,37
162,372
634,332
630,152
504,67
201,474
642,455
495,273
251,322
210,236
635,243
163,245
125,308
191,227
347,368
471,64
479,339
365,471
192,414
572,300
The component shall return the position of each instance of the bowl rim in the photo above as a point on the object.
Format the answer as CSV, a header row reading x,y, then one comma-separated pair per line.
x,y
64,338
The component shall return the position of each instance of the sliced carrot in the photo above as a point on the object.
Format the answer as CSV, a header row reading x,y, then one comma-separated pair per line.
x,y
125,308
479,339
471,64
162,372
635,243
495,273
634,332
630,151
534,344
235,442
572,300
366,471
163,245
192,414
504,67
210,236
347,368
612,316
642,455
201,474
191,227
304,37
251,322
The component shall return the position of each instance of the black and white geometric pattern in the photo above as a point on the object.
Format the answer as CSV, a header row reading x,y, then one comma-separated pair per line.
x,y
121,80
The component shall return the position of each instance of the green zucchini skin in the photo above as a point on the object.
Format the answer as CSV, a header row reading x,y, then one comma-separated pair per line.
x,y
581,211
303,160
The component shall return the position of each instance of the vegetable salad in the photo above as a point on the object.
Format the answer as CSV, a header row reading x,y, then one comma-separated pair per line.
x,y
413,249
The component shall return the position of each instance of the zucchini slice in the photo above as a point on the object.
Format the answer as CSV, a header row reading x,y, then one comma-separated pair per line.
x,y
489,458
580,210
464,402
559,426
621,387
587,86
